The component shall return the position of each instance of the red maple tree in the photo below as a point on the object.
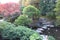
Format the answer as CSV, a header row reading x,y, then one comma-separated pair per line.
x,y
9,8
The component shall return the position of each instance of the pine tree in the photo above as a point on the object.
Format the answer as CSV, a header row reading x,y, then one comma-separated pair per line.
x,y
47,6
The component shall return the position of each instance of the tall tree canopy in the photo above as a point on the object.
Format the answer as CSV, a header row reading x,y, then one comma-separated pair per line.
x,y
47,6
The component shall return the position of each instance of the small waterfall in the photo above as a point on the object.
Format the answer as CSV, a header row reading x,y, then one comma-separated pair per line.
x,y
1,19
45,37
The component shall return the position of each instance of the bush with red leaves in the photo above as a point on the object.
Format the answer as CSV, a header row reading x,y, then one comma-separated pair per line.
x,y
10,10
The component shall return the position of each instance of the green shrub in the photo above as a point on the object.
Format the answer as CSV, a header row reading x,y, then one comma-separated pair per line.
x,y
23,20
31,11
51,38
4,25
35,36
57,23
18,33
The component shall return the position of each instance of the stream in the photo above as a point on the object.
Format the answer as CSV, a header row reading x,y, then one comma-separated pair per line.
x,y
46,25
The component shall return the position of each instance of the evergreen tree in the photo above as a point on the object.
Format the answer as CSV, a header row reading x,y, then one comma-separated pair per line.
x,y
47,6
57,9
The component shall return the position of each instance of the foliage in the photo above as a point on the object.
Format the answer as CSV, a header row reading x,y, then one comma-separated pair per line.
x,y
31,11
18,33
57,23
35,36
47,6
9,8
51,38
57,9
22,8
35,3
12,17
23,20
25,2
8,11
4,25
51,15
